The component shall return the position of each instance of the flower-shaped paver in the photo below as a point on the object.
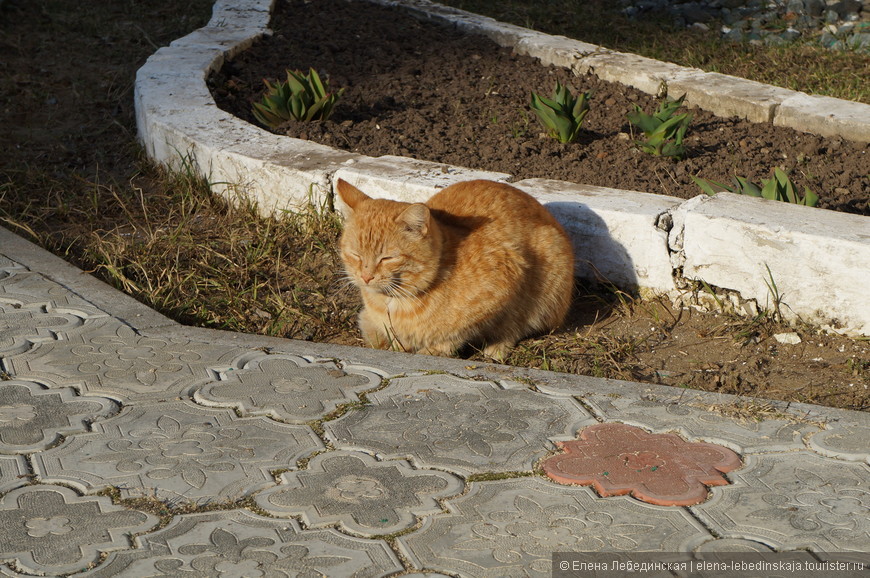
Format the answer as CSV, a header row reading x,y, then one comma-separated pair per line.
x,y
285,387
178,451
20,327
239,543
32,418
512,527
53,530
466,426
661,469
846,441
795,500
359,493
108,357
22,288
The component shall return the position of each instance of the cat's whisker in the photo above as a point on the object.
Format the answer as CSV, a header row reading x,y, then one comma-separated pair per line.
x,y
343,283
395,291
400,291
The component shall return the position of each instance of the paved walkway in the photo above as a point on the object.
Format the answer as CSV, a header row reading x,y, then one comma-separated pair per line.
x,y
132,446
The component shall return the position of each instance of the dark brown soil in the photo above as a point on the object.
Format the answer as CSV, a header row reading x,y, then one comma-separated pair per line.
x,y
426,91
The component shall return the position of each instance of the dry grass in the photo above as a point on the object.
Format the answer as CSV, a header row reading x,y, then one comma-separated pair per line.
x,y
165,239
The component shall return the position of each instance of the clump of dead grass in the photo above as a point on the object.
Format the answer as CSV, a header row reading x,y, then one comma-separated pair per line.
x,y
168,241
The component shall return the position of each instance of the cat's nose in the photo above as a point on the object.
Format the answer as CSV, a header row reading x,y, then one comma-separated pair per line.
x,y
366,277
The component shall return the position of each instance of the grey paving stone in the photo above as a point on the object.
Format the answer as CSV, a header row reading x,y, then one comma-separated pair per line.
x,y
465,426
32,417
53,530
846,441
289,388
360,494
239,543
793,501
22,288
692,420
13,473
178,452
21,327
109,358
9,267
511,528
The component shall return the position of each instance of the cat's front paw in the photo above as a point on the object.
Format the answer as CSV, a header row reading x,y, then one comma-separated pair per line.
x,y
498,351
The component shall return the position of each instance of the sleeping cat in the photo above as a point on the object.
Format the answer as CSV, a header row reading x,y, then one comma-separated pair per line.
x,y
481,262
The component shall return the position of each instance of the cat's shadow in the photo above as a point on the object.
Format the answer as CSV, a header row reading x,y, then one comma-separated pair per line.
x,y
598,256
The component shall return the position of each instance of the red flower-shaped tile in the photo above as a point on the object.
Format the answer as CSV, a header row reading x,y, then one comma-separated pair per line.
x,y
661,469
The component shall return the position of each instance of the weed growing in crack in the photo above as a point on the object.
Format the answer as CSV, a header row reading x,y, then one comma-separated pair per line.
x,y
775,294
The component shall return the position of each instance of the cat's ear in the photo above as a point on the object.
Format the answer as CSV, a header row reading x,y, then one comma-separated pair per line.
x,y
415,219
351,195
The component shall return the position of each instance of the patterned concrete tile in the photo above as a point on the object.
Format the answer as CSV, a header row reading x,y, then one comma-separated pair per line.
x,y
847,441
21,327
664,469
793,501
359,493
458,424
697,423
109,358
22,288
240,543
13,473
32,417
511,528
286,387
178,451
53,530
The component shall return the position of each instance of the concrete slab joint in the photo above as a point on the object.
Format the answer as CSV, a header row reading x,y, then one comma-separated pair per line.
x,y
656,244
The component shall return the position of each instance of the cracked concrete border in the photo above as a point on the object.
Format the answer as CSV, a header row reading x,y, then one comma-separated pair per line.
x,y
654,243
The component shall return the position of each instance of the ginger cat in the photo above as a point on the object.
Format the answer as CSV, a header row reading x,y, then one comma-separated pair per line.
x,y
481,262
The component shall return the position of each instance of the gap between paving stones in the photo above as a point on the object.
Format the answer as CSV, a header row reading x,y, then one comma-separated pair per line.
x,y
654,243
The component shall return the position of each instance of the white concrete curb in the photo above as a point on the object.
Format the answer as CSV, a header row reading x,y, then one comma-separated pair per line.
x,y
817,259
